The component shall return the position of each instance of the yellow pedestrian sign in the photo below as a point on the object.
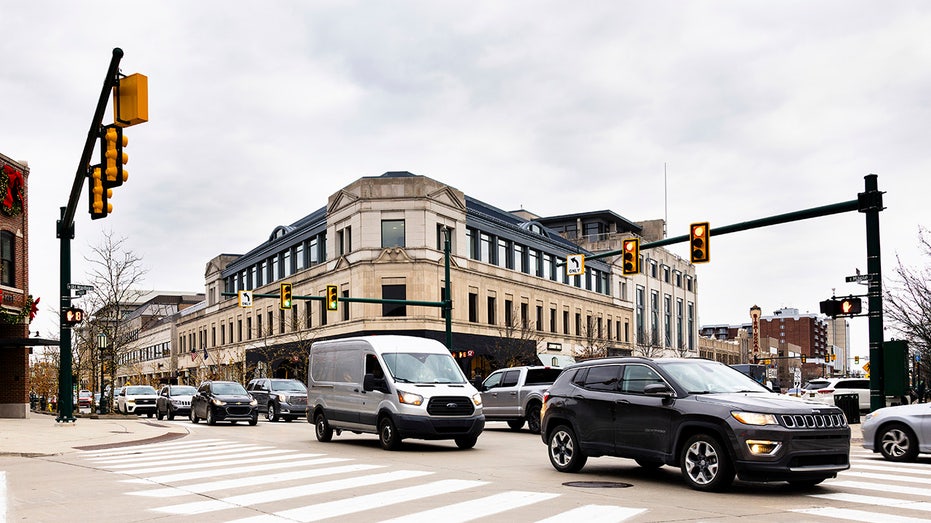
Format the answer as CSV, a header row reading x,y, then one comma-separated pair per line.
x,y
866,366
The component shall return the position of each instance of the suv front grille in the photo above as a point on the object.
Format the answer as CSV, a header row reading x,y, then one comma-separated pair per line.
x,y
814,421
450,406
298,400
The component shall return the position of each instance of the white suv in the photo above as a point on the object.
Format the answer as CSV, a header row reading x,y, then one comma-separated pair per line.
x,y
137,399
823,389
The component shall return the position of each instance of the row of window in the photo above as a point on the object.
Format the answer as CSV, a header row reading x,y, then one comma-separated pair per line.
x,y
280,265
509,254
152,352
682,320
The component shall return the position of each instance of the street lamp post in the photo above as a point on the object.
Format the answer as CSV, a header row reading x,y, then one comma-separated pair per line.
x,y
102,347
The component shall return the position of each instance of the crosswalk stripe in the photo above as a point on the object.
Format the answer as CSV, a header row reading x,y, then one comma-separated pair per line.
x,y
212,486
210,457
476,508
876,500
268,496
136,449
599,513
892,468
212,464
352,505
176,454
858,515
894,489
900,465
200,474
884,477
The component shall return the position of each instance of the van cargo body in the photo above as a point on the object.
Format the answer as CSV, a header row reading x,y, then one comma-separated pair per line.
x,y
394,386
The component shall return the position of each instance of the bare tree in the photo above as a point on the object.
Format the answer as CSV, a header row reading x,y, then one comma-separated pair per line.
x,y
908,305
290,349
515,335
116,275
649,347
594,344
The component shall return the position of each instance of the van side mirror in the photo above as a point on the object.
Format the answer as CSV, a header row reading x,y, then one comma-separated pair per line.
x,y
371,383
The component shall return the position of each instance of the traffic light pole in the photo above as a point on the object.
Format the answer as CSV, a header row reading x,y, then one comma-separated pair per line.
x,y
65,232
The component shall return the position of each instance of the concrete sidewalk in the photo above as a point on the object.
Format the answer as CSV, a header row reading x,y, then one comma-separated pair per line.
x,y
41,435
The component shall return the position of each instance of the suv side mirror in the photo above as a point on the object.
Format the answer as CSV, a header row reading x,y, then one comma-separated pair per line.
x,y
658,389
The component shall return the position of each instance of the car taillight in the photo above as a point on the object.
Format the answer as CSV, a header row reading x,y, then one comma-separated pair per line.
x,y
546,396
825,391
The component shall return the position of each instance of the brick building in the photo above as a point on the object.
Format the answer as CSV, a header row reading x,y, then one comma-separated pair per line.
x,y
15,301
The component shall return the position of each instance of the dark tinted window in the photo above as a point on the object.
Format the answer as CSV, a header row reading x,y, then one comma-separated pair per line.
x,y
539,376
510,378
853,384
603,377
636,377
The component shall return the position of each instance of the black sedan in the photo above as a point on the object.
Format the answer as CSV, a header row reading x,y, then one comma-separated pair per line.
x,y
223,401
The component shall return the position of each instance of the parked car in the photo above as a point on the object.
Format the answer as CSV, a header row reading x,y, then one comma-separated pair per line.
x,y
174,400
137,399
899,433
702,416
223,401
85,399
515,395
279,398
822,390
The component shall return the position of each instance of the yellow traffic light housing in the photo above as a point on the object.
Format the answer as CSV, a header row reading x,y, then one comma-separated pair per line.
x,y
286,302
803,358
332,298
131,100
856,360
631,259
698,242
112,156
98,195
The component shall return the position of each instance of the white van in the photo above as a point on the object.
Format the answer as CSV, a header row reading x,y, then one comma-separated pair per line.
x,y
394,386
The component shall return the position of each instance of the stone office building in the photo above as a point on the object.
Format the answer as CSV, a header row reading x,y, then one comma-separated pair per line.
x,y
383,237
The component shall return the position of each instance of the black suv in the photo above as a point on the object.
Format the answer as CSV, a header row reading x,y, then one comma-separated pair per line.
x,y
700,415
223,401
279,398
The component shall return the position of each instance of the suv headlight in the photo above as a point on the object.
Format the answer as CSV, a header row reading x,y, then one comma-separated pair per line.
x,y
410,398
754,418
253,402
283,397
217,402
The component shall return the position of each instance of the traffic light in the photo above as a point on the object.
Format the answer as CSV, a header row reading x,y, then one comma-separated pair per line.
x,y
72,316
698,242
332,298
804,358
98,195
856,360
286,302
631,256
112,157
833,357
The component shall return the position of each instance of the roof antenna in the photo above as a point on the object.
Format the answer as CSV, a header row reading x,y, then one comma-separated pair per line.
x,y
665,200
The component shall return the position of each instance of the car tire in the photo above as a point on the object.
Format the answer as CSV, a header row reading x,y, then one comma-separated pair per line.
x,y
255,419
211,420
705,464
158,415
322,428
533,417
563,448
149,414
193,417
388,434
516,424
272,413
171,415
466,442
897,442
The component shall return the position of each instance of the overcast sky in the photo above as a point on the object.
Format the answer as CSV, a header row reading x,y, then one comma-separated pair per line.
x,y
258,111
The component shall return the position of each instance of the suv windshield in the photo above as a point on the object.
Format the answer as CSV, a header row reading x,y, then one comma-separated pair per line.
x,y
183,390
288,385
228,389
408,367
139,390
708,377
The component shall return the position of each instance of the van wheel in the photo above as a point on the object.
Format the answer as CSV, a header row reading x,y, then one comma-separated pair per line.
x,y
322,428
388,434
705,464
466,442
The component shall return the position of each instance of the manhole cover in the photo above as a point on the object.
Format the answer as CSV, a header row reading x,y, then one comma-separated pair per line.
x,y
597,484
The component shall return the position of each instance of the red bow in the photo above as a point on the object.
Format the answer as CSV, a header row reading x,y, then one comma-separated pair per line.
x,y
13,186
34,310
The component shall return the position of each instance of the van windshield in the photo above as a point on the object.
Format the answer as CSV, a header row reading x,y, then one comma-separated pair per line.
x,y
408,367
